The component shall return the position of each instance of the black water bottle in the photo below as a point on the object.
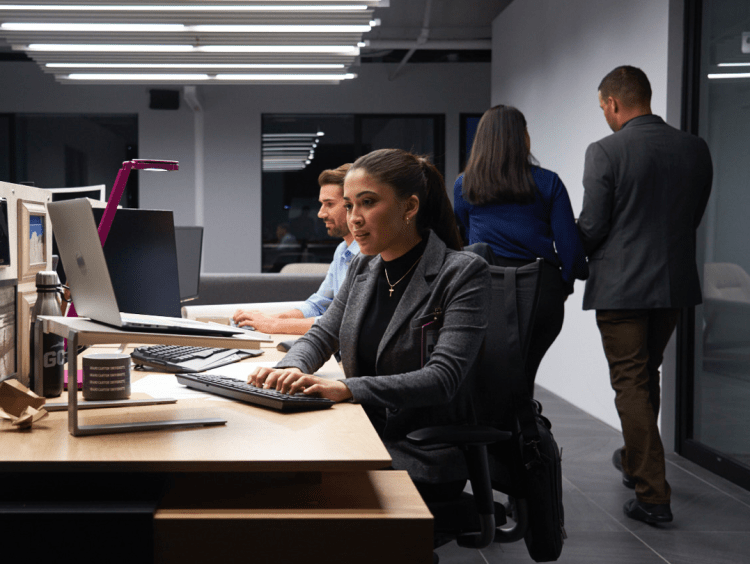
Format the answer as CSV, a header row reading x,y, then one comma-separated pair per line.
x,y
53,353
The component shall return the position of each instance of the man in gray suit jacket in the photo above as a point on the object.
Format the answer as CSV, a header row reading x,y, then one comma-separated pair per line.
x,y
645,190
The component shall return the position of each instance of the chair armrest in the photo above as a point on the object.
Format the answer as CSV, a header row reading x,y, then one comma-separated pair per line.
x,y
458,435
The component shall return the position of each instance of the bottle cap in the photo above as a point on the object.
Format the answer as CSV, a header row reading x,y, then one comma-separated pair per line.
x,y
47,279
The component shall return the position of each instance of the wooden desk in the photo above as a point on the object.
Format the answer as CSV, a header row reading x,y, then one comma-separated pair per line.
x,y
265,487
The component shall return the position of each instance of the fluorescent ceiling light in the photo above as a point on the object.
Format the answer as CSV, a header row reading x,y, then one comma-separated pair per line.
x,y
224,77
338,49
105,27
286,135
280,28
126,48
145,77
734,64
92,47
730,75
186,8
287,149
197,65
174,28
290,77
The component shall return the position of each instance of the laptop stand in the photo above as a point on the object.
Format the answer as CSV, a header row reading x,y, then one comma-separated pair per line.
x,y
81,331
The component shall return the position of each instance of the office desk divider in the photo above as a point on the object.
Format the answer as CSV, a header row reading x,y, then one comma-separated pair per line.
x,y
81,331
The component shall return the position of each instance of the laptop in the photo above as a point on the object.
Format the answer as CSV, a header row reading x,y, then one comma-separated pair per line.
x,y
90,283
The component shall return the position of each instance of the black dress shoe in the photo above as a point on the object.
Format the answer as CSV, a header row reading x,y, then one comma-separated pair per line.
x,y
627,480
651,513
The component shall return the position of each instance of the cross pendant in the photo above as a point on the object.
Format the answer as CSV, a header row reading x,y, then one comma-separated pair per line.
x,y
390,290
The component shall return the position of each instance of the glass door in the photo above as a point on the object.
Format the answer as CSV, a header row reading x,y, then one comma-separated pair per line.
x,y
716,407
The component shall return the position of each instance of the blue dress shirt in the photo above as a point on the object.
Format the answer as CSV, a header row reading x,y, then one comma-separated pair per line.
x,y
545,228
318,303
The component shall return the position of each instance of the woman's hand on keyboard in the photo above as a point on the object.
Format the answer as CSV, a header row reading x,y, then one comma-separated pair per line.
x,y
293,380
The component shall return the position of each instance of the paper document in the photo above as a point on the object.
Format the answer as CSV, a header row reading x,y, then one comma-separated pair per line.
x,y
166,386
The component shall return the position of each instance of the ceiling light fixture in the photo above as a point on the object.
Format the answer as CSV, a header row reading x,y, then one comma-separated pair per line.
x,y
175,28
109,48
143,77
289,66
729,75
188,77
191,37
301,7
133,48
337,49
286,77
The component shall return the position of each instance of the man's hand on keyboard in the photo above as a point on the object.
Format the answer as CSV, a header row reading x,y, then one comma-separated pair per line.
x,y
261,322
293,380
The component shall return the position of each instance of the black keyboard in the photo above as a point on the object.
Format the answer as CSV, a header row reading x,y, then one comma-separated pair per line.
x,y
175,358
239,390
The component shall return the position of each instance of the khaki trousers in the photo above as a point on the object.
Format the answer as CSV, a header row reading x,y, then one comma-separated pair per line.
x,y
634,341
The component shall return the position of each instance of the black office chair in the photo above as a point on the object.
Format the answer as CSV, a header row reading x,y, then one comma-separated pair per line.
x,y
483,250
493,448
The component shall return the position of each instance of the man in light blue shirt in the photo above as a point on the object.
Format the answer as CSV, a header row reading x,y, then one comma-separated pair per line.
x,y
333,213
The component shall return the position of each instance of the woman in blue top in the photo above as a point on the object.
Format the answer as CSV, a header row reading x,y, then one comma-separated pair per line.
x,y
523,212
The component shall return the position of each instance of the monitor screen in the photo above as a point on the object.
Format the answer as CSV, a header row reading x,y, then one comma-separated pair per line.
x,y
189,241
142,261
93,192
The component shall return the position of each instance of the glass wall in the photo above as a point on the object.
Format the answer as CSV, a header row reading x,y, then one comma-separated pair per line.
x,y
719,396
297,148
68,150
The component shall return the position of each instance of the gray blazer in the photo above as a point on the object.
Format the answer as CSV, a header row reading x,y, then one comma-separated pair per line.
x,y
645,190
454,284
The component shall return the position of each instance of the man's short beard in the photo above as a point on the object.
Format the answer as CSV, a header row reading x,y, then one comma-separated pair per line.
x,y
338,231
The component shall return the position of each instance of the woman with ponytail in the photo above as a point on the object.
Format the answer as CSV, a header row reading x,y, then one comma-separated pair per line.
x,y
523,212
409,320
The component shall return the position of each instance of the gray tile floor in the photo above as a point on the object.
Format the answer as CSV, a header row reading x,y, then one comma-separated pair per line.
x,y
712,516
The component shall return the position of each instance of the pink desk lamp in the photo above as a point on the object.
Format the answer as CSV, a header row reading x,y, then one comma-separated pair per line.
x,y
114,198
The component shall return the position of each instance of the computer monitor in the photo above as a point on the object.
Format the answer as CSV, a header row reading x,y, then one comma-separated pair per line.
x,y
189,241
142,260
94,192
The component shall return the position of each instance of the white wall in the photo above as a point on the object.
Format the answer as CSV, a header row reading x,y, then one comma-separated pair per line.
x,y
548,58
232,122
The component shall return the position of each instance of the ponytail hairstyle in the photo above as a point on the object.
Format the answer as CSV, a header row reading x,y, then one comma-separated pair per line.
x,y
409,175
499,167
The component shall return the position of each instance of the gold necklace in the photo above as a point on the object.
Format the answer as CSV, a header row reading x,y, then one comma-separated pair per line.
x,y
390,291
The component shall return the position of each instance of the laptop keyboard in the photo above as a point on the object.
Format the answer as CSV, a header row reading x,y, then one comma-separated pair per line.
x,y
175,358
239,390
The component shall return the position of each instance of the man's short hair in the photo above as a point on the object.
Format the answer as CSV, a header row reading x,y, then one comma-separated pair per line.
x,y
628,84
334,175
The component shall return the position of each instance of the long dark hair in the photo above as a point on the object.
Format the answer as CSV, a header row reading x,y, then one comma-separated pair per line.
x,y
499,168
409,175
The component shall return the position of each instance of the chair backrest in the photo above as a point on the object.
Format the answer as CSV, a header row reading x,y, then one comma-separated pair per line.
x,y
501,386
483,250
305,268
726,281
498,369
